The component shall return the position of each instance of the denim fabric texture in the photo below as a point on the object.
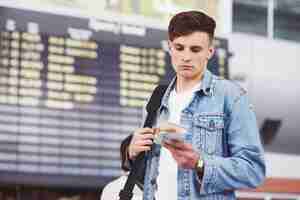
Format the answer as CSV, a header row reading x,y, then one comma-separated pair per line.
x,y
221,126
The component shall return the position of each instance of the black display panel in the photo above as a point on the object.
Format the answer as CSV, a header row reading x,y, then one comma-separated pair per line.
x,y
70,90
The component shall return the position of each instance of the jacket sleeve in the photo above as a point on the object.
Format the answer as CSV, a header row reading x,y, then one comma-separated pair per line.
x,y
245,165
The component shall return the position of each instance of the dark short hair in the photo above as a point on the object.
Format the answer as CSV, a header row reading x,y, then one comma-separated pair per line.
x,y
185,23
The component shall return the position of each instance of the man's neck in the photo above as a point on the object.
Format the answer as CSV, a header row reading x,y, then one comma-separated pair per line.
x,y
184,85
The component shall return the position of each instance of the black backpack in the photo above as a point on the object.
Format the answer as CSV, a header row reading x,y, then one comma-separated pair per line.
x,y
137,172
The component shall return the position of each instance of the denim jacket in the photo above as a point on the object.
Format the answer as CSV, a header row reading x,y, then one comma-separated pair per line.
x,y
221,126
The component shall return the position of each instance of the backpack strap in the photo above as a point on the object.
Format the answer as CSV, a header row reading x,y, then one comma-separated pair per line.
x,y
154,104
138,168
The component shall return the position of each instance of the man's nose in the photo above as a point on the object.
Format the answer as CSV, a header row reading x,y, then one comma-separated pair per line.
x,y
186,56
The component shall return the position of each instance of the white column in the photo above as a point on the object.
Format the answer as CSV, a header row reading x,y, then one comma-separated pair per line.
x,y
270,23
224,18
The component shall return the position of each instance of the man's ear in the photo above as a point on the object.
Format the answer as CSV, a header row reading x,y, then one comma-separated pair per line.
x,y
211,52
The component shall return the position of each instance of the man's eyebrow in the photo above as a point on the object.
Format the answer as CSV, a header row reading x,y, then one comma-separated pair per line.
x,y
192,47
196,47
178,44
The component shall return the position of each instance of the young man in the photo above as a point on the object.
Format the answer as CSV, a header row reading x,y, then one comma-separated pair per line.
x,y
221,151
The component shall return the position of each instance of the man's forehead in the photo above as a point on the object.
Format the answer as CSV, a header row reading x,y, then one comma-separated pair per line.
x,y
187,45
193,39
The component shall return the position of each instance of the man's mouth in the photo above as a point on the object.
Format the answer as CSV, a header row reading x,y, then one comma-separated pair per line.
x,y
186,67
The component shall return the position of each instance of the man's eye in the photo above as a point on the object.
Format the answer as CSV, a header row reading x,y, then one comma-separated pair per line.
x,y
179,48
195,50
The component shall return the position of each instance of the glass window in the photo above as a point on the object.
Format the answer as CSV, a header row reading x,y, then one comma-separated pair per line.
x,y
250,16
286,19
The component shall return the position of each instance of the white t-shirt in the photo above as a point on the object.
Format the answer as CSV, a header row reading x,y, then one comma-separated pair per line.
x,y
112,189
167,177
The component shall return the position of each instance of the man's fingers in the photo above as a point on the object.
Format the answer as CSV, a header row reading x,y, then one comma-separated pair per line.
x,y
179,151
177,144
143,131
174,144
142,148
144,143
141,141
146,136
174,153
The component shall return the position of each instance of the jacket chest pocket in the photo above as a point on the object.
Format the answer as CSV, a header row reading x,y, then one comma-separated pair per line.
x,y
208,131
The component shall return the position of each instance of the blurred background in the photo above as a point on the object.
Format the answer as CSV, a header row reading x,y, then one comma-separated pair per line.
x,y
74,75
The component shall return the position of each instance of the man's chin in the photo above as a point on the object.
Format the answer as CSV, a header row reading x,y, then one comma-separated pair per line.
x,y
188,75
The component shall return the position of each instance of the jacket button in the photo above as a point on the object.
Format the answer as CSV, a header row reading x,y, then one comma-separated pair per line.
x,y
212,124
153,181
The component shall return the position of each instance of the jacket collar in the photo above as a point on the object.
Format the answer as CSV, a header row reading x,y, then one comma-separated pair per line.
x,y
206,87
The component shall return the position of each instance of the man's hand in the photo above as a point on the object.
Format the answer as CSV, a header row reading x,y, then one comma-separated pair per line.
x,y
184,154
142,140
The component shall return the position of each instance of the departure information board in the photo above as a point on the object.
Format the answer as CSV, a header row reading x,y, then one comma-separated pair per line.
x,y
70,90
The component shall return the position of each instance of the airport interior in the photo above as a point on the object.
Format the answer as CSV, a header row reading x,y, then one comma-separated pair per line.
x,y
75,75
